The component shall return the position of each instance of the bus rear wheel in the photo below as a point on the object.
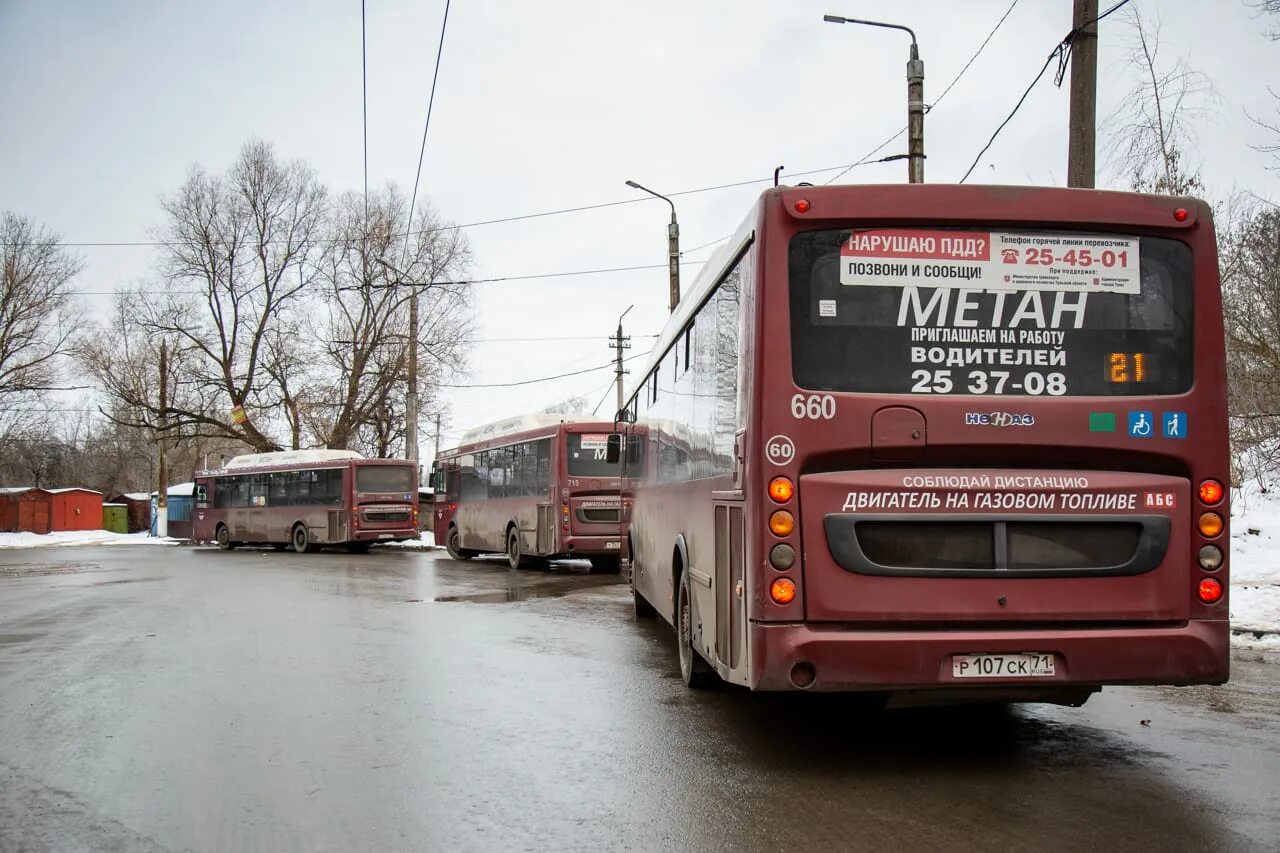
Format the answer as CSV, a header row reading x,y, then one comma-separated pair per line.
x,y
696,673
514,558
223,537
302,539
453,545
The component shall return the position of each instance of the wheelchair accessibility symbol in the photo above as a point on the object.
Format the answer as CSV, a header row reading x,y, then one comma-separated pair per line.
x,y
1141,424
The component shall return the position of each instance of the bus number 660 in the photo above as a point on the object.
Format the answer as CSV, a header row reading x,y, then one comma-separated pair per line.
x,y
815,407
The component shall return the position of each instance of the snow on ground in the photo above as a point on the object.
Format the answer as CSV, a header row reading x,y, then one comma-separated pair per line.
x,y
1255,567
426,541
80,537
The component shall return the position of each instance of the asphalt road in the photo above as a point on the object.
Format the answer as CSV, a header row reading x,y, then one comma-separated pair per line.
x,y
159,698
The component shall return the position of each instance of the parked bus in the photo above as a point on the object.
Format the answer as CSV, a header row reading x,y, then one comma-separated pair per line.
x,y
949,442
307,499
535,488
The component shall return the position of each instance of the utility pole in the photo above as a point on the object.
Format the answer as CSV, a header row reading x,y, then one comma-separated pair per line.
x,y
162,469
673,247
915,95
437,453
411,399
1083,134
619,343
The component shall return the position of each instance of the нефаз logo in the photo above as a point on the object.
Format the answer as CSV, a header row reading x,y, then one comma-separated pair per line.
x,y
998,419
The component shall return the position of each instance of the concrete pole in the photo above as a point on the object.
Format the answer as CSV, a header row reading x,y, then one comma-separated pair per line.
x,y
411,401
915,117
162,468
673,260
1083,134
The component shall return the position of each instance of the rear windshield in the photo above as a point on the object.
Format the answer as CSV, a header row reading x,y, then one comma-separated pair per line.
x,y
384,478
927,311
587,455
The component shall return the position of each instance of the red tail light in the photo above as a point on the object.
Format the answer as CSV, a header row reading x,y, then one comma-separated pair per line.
x,y
1210,591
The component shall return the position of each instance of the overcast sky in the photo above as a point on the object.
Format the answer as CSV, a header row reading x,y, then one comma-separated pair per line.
x,y
553,104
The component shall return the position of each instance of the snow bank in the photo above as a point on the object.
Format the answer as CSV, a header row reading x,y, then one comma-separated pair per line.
x,y
426,541
80,537
1255,567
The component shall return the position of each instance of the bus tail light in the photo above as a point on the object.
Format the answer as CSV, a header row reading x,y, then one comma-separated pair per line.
x,y
782,523
1210,558
1210,591
1211,492
1180,214
1210,525
783,590
781,489
782,557
802,205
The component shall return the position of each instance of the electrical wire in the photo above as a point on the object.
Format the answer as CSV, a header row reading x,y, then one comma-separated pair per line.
x,y
1060,51
364,100
413,200
609,365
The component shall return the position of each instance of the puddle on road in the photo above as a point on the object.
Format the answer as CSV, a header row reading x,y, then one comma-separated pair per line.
x,y
526,592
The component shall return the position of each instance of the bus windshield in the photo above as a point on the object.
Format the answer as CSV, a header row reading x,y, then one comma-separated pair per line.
x,y
384,478
587,455
930,311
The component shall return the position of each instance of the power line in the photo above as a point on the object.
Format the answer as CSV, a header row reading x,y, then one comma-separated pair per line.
x,y
1060,51
499,221
364,98
431,100
609,365
954,80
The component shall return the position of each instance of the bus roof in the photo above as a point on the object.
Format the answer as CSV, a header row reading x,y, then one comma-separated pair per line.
x,y
290,457
520,424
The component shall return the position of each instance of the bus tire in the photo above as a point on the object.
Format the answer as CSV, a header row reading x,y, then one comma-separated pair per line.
x,y
696,673
453,545
605,565
515,558
223,537
301,539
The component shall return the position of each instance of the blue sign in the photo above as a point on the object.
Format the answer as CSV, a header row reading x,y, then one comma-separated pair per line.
x,y
1141,424
1175,424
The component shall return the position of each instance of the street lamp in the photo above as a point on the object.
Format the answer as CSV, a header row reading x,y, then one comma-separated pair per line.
x,y
915,97
673,245
411,397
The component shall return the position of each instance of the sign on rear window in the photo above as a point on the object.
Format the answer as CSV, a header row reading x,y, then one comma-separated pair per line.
x,y
929,311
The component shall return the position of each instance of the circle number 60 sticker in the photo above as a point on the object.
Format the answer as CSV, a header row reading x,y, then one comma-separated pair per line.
x,y
780,450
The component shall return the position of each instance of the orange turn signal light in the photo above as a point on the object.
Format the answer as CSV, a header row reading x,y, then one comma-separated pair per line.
x,y
783,590
1210,590
781,489
782,523
1211,492
1210,524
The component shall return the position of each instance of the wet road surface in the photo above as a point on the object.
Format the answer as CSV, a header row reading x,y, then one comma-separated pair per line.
x,y
186,699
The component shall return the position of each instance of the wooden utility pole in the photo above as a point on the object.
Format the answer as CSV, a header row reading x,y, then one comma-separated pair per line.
x,y
1083,133
162,469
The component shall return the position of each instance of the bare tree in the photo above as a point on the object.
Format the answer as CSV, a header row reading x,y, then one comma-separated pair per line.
x,y
38,319
1152,129
368,275
236,256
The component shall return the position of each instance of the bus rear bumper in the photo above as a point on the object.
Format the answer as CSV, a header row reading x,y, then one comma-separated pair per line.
x,y
382,535
592,545
844,659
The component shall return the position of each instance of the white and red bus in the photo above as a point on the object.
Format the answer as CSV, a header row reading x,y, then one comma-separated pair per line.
x,y
536,488
948,442
307,499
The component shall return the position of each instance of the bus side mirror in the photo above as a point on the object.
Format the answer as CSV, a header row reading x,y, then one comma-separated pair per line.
x,y
613,450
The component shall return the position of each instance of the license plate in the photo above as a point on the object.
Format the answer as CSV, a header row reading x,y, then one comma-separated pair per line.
x,y
1022,665
612,546
385,535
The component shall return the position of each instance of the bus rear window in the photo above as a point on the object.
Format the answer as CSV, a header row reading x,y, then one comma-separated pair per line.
x,y
384,478
587,455
932,311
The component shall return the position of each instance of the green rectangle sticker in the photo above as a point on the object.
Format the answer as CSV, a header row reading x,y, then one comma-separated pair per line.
x,y
1102,422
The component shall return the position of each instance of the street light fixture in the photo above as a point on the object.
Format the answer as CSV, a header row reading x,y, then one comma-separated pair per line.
x,y
673,245
915,96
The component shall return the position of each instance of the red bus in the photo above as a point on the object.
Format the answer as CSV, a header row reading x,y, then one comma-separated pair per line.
x,y
536,488
307,499
952,442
